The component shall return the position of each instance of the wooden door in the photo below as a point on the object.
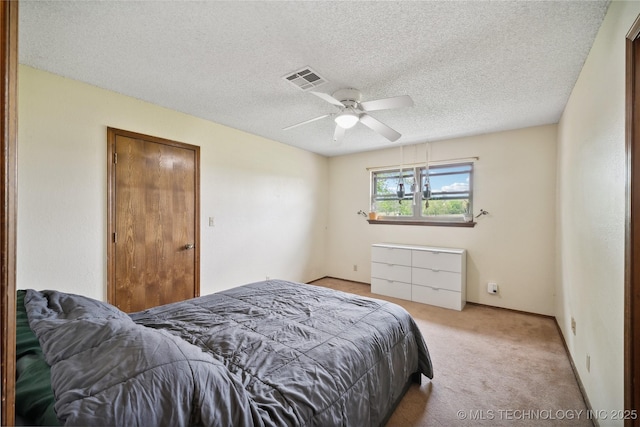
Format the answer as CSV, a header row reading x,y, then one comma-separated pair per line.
x,y
154,222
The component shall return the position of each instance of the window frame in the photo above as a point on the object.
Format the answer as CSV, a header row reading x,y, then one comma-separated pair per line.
x,y
417,171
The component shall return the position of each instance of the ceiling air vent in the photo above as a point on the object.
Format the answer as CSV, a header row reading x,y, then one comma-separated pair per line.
x,y
305,79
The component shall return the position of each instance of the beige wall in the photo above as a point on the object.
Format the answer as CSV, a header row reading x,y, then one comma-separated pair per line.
x,y
591,211
268,199
514,180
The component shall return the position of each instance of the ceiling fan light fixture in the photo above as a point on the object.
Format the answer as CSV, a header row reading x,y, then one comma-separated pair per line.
x,y
347,119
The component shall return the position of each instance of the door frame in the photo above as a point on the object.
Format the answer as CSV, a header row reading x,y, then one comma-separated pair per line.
x,y
8,191
632,227
112,133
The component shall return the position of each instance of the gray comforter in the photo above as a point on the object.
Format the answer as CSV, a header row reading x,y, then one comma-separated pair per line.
x,y
268,353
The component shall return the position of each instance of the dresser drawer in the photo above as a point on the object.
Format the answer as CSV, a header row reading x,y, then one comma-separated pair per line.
x,y
399,273
394,256
436,279
437,260
440,297
391,288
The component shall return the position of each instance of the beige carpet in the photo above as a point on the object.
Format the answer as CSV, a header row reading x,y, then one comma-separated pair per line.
x,y
492,367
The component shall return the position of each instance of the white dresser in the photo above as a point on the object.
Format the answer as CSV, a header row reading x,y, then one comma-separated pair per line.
x,y
425,274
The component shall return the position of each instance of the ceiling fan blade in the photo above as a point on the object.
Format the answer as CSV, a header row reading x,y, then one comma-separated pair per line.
x,y
307,121
377,126
330,99
338,135
387,103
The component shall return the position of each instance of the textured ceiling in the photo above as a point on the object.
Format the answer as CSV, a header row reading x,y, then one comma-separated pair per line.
x,y
470,67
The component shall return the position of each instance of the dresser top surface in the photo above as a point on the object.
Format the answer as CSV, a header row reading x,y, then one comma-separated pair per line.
x,y
419,248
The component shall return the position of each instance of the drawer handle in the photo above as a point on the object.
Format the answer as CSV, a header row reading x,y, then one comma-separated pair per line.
x,y
435,271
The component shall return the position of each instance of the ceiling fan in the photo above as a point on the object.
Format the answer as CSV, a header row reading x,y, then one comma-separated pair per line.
x,y
353,110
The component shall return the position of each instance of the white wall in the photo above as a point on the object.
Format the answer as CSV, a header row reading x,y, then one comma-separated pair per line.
x,y
514,180
591,212
269,200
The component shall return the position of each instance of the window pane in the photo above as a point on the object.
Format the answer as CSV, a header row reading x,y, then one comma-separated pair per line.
x,y
450,183
445,207
395,208
386,183
386,193
450,169
450,191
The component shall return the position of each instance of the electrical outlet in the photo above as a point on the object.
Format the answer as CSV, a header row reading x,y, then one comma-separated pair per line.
x,y
573,325
355,267
588,363
492,288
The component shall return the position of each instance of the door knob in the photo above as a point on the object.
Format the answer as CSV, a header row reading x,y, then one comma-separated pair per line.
x,y
189,246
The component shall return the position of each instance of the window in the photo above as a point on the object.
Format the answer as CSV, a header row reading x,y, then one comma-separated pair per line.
x,y
450,199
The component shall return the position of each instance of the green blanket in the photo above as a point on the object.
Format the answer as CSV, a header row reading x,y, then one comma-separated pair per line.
x,y
34,397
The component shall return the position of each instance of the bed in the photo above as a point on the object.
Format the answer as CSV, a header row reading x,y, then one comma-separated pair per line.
x,y
268,353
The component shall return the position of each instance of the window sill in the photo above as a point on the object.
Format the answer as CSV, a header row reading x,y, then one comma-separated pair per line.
x,y
423,223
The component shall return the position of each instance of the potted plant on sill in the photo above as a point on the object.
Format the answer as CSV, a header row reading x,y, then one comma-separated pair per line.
x,y
373,215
